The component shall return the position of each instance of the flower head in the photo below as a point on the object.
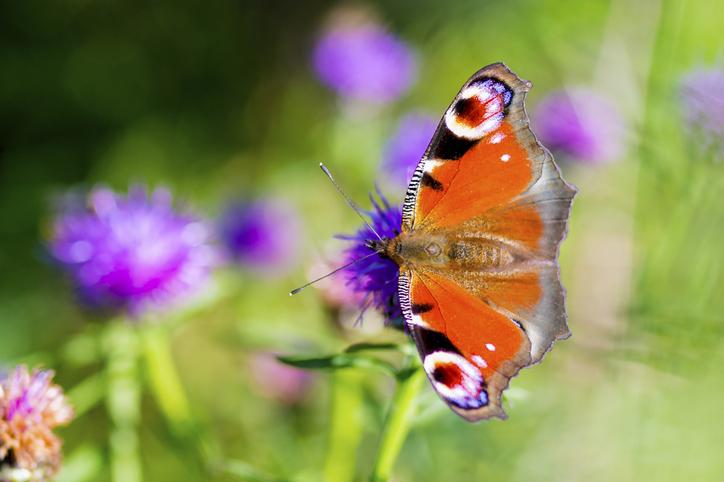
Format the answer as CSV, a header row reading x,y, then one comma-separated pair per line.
x,y
406,146
580,124
31,406
360,60
133,252
262,235
376,277
275,380
702,99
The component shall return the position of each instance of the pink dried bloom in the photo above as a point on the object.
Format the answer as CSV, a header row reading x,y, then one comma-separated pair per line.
x,y
31,406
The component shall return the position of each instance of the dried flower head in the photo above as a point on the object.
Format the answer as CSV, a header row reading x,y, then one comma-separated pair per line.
x,y
262,235
133,252
376,277
406,146
31,406
359,59
581,125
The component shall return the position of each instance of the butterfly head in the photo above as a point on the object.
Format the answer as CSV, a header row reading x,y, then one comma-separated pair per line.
x,y
412,248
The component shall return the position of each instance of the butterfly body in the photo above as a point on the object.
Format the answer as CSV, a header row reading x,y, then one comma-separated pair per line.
x,y
449,251
483,219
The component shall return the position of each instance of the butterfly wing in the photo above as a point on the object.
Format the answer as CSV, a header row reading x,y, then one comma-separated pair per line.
x,y
482,154
469,350
486,179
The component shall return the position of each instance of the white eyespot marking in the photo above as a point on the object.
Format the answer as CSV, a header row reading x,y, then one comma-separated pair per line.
x,y
480,90
479,361
497,138
490,346
478,111
456,379
505,157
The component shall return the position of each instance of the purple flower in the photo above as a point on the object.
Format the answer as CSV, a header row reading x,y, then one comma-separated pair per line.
x,y
581,125
406,146
277,381
131,252
30,408
262,235
360,60
702,98
376,277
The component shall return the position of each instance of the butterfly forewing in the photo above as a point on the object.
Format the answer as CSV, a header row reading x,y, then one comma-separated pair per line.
x,y
492,193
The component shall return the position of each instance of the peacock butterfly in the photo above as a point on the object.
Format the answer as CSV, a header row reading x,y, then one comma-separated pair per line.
x,y
484,215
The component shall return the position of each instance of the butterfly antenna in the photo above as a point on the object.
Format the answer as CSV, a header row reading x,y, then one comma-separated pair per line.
x,y
351,203
354,261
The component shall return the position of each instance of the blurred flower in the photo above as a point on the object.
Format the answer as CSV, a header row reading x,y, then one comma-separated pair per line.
x,y
359,59
262,235
581,125
30,408
376,277
133,252
341,301
702,98
336,295
273,379
406,146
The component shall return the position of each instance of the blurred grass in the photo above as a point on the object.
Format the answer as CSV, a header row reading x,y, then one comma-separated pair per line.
x,y
218,100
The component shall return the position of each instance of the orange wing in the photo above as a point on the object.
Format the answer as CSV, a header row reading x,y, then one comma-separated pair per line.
x,y
469,350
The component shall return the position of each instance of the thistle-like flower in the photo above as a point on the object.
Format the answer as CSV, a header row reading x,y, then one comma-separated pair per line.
x,y
31,406
359,59
262,235
376,277
406,146
702,102
581,125
132,252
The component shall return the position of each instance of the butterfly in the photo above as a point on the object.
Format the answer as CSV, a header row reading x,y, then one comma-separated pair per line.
x,y
482,220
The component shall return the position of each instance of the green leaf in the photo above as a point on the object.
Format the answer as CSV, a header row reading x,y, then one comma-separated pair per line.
x,y
342,360
357,347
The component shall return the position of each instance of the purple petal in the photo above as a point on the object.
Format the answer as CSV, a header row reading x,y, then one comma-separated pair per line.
x,y
702,101
406,147
133,251
376,277
262,235
581,125
364,62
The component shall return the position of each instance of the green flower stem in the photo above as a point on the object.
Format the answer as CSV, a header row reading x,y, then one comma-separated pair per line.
x,y
123,400
397,423
345,431
164,380
87,393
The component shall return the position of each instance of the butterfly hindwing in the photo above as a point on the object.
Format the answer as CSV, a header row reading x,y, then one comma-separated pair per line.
x,y
469,351
528,289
